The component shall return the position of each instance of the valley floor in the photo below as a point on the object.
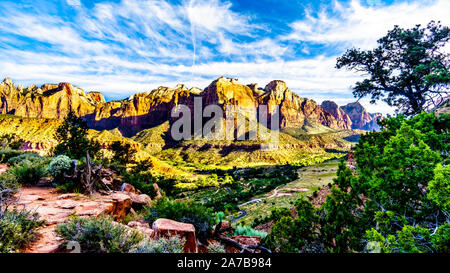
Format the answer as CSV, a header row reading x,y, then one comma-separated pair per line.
x,y
310,179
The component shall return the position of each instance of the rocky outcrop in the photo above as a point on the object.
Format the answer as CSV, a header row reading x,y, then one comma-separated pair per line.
x,y
361,119
49,101
294,110
344,121
166,228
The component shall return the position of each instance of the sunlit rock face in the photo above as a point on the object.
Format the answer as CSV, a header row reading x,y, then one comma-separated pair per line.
x,y
48,101
294,110
344,121
149,109
361,119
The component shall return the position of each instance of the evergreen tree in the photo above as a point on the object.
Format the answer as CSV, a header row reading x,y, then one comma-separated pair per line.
x,y
72,138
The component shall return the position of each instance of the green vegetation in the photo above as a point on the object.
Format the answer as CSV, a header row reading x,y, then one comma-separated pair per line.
x,y
193,213
409,69
99,235
72,138
7,154
249,231
123,152
395,202
17,229
173,244
28,170
244,184
58,166
11,141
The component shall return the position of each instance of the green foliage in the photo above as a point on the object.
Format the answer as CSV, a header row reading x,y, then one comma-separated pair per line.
x,y
9,182
72,138
249,231
58,166
173,244
11,141
193,213
441,239
220,216
408,69
215,248
34,158
395,201
6,154
17,229
141,180
99,235
293,235
439,187
123,152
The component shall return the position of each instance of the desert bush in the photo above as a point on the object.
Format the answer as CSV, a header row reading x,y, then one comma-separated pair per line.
x,y
173,244
248,231
8,181
99,235
6,154
26,156
193,213
28,172
17,229
58,166
216,248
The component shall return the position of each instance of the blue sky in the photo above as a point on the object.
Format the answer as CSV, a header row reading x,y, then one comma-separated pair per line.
x,y
121,47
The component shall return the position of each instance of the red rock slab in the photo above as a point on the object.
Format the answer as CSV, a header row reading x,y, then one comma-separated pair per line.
x,y
167,228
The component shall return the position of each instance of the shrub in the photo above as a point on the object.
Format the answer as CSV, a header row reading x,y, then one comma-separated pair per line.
x,y
216,248
440,187
8,181
27,172
99,235
163,245
17,229
248,231
142,181
193,213
6,154
58,166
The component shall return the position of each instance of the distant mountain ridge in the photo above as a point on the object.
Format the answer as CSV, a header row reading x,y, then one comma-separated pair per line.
x,y
149,109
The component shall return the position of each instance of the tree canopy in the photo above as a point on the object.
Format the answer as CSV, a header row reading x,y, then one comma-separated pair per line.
x,y
73,140
408,70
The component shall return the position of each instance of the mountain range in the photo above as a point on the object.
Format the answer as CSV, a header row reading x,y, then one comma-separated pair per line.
x,y
309,132
149,109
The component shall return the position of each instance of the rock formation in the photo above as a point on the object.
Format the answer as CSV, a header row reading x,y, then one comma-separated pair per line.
x,y
149,109
344,121
361,119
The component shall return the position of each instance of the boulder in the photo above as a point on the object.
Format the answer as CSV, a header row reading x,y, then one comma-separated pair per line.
x,y
142,227
166,228
139,200
120,205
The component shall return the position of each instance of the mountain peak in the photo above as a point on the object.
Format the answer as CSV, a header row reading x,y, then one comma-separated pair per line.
x,y
360,117
276,85
7,81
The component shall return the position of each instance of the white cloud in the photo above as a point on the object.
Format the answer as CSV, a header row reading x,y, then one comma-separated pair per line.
x,y
361,26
